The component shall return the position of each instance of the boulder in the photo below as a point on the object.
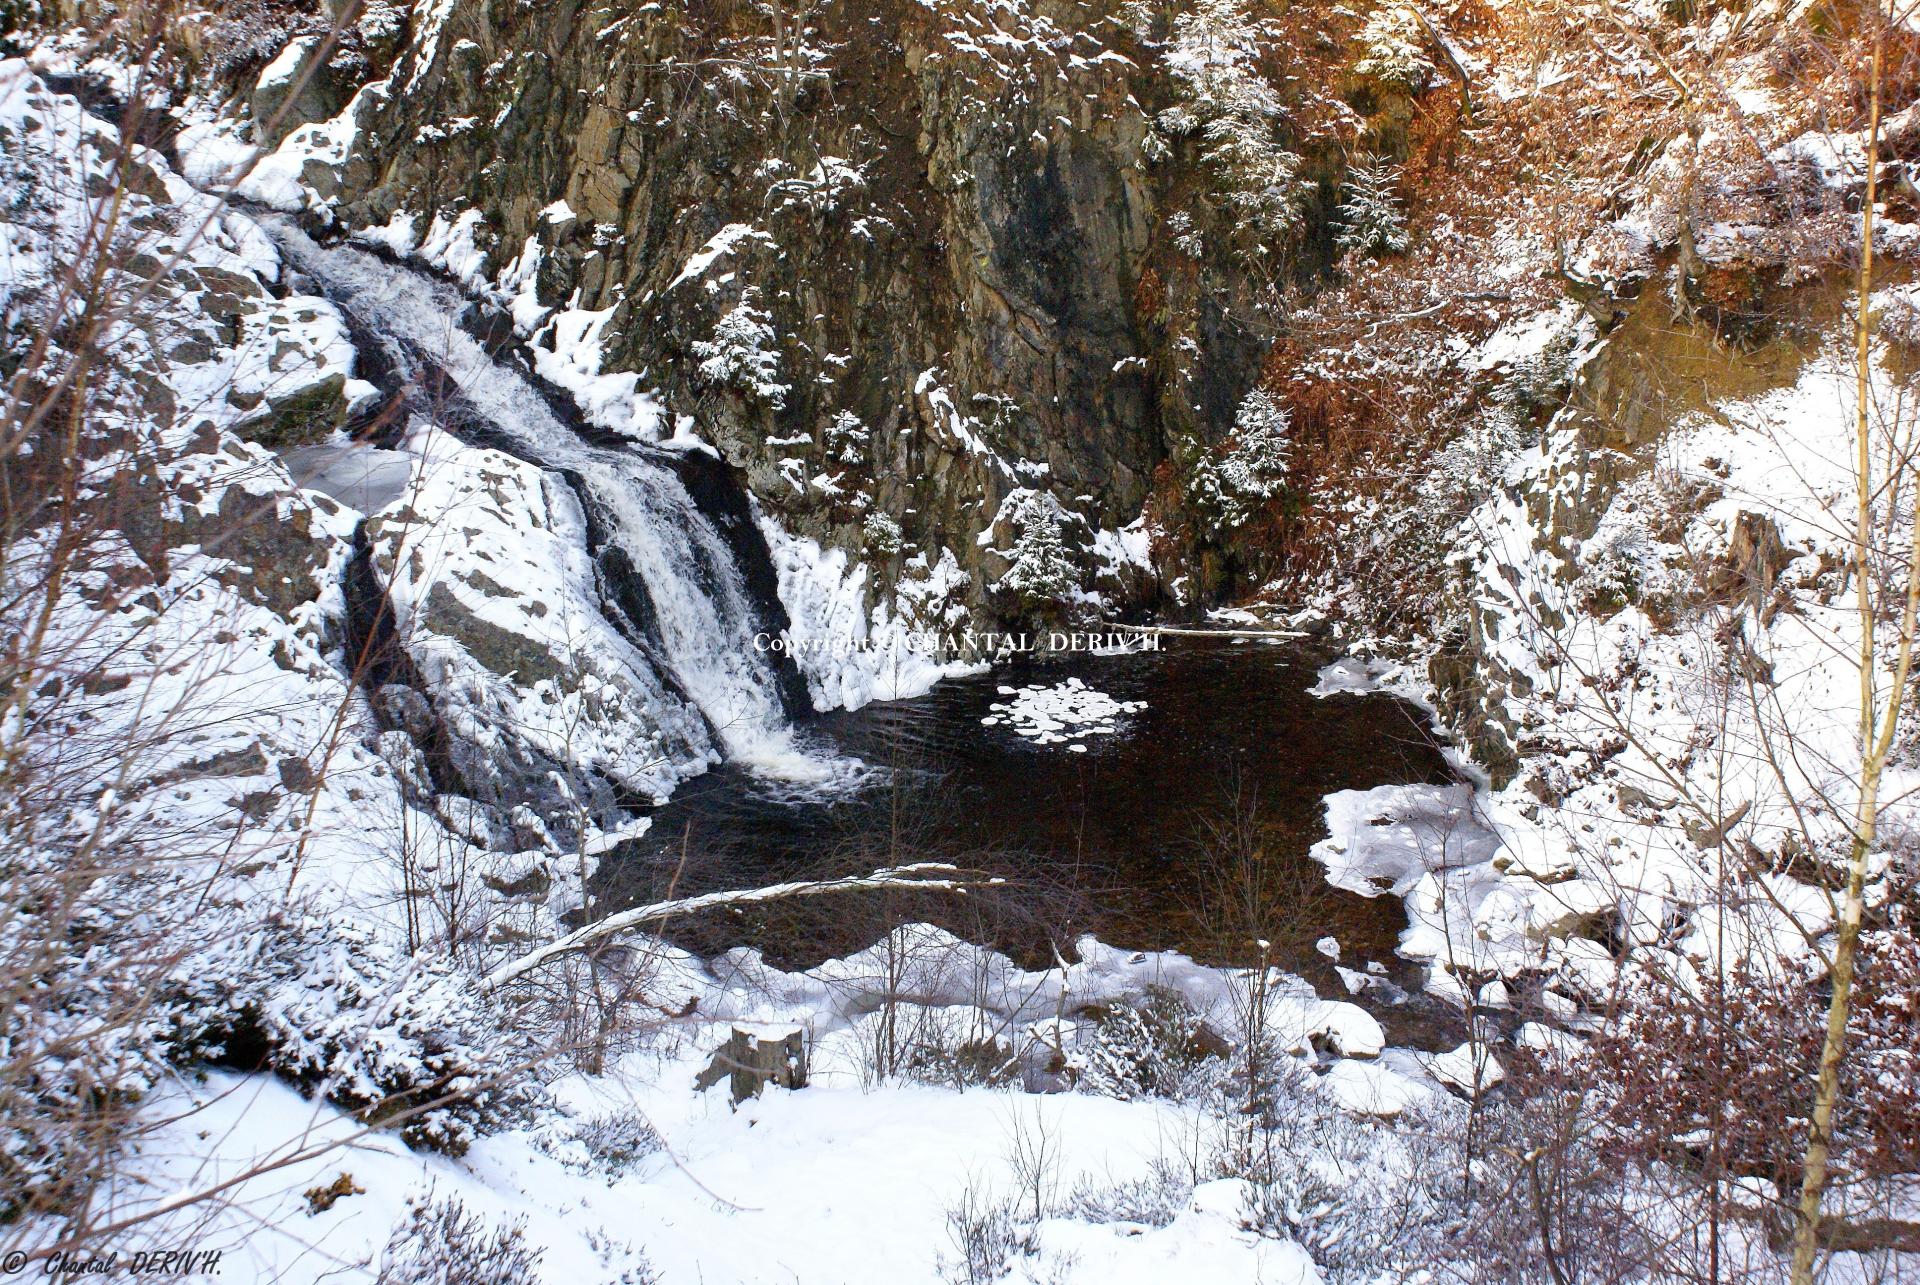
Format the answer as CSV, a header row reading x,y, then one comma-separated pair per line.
x,y
294,89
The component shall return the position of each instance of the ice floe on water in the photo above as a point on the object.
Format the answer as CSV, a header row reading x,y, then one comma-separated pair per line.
x,y
1357,674
1062,714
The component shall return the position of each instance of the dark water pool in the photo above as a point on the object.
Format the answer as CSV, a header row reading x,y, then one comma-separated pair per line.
x,y
1188,828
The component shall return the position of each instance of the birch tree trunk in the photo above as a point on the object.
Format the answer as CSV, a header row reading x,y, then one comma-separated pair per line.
x,y
1878,721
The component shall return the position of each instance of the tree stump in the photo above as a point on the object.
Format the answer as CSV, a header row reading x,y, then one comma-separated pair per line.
x,y
756,1058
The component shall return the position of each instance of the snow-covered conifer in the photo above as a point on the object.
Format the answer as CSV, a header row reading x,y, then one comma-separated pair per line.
x,y
1041,570
742,353
1371,221
847,439
1258,462
1227,486
882,534
1236,113
1394,49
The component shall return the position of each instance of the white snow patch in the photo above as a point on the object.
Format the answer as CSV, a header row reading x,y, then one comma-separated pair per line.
x,y
570,356
1370,1088
719,245
1356,674
1066,713
849,652
398,234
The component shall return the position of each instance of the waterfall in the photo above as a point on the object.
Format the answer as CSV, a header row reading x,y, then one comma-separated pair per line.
x,y
691,610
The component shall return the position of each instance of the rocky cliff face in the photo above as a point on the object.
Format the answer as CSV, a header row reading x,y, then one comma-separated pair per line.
x,y
898,262
1653,373
943,280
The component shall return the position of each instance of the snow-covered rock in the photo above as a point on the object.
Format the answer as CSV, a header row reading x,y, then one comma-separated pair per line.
x,y
485,568
1369,1088
1466,1068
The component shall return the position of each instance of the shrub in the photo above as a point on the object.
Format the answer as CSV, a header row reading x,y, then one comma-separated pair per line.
x,y
352,1019
1226,487
1537,383
1304,1171
847,439
986,1237
1160,1049
1718,1073
1236,115
612,1143
978,1062
1620,564
1154,1199
440,1242
882,534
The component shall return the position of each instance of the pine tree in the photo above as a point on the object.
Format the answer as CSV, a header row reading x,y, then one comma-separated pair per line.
x,y
882,534
1041,570
1226,487
1234,111
743,353
1256,467
1371,221
846,439
1394,49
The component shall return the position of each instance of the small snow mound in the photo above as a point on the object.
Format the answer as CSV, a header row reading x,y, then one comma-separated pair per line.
x,y
1367,1088
1063,714
1463,1069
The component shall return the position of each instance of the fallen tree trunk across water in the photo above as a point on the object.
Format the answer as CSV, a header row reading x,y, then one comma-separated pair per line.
x,y
919,875
1211,633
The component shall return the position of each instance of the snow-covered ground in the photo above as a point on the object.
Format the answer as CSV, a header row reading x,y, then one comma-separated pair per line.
x,y
781,1186
832,1183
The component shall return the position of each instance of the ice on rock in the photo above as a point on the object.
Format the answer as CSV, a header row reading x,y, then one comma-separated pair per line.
x,y
362,477
1398,833
1062,714
829,597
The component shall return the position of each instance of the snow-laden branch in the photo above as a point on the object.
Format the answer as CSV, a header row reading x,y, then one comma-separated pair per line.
x,y
919,875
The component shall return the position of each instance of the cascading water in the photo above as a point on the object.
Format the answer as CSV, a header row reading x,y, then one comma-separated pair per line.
x,y
698,617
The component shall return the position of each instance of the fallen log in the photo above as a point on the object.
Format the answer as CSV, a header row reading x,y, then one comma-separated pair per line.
x,y
1211,633
921,875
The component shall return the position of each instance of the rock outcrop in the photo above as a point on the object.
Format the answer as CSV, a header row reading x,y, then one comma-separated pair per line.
x,y
897,262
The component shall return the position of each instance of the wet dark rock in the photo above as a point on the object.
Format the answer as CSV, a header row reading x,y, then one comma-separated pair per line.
x,y
307,92
301,417
968,254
